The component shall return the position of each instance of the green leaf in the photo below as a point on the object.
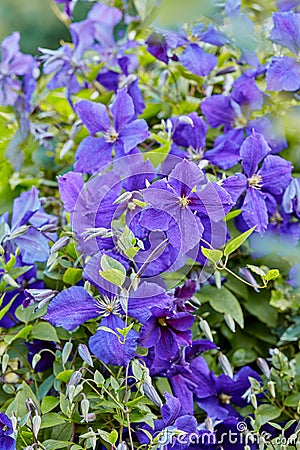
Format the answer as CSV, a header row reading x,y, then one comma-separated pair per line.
x,y
52,419
158,155
113,436
49,403
45,332
23,333
235,243
225,302
114,276
212,255
53,444
292,400
256,270
272,274
65,375
72,276
108,263
6,307
99,378
266,413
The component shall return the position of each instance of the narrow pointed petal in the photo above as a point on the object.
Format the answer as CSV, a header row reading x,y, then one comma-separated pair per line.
x,y
92,154
70,186
276,173
197,61
108,348
253,150
283,74
93,115
24,207
72,307
122,109
255,210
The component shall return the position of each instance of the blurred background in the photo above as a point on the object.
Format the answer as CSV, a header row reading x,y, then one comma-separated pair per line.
x,y
36,22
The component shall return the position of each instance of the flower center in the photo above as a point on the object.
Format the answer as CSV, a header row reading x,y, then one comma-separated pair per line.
x,y
108,305
276,219
224,398
111,135
255,181
184,202
162,321
131,206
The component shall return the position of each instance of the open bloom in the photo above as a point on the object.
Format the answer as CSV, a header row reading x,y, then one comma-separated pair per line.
x,y
7,441
122,134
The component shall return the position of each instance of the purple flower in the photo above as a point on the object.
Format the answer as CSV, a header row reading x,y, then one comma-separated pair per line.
x,y
287,5
7,441
122,135
69,6
179,199
272,178
291,198
197,61
216,394
74,306
13,64
45,349
25,230
294,276
286,31
166,332
284,71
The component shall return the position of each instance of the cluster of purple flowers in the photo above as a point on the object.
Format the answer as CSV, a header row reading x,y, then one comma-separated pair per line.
x,y
135,221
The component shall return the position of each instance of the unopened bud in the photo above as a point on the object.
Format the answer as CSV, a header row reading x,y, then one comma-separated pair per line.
x,y
225,364
271,386
66,352
85,406
70,392
66,148
209,425
253,400
152,394
187,120
122,446
230,322
9,280
5,361
264,367
36,424
205,328
61,243
18,232
85,354
37,357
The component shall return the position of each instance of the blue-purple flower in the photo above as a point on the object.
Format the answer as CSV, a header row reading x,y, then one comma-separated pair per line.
x,y
122,134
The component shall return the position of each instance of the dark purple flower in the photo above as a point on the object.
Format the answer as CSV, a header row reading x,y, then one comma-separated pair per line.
x,y
13,64
7,440
69,6
166,332
45,349
122,135
74,306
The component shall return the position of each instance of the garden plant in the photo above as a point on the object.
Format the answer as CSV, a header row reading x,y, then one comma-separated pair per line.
x,y
150,229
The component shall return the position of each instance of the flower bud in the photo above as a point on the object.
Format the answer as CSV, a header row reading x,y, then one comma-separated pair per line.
x,y
37,357
85,405
152,394
61,243
264,367
271,386
253,400
5,361
205,328
122,446
85,354
66,352
225,364
9,280
36,424
230,322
